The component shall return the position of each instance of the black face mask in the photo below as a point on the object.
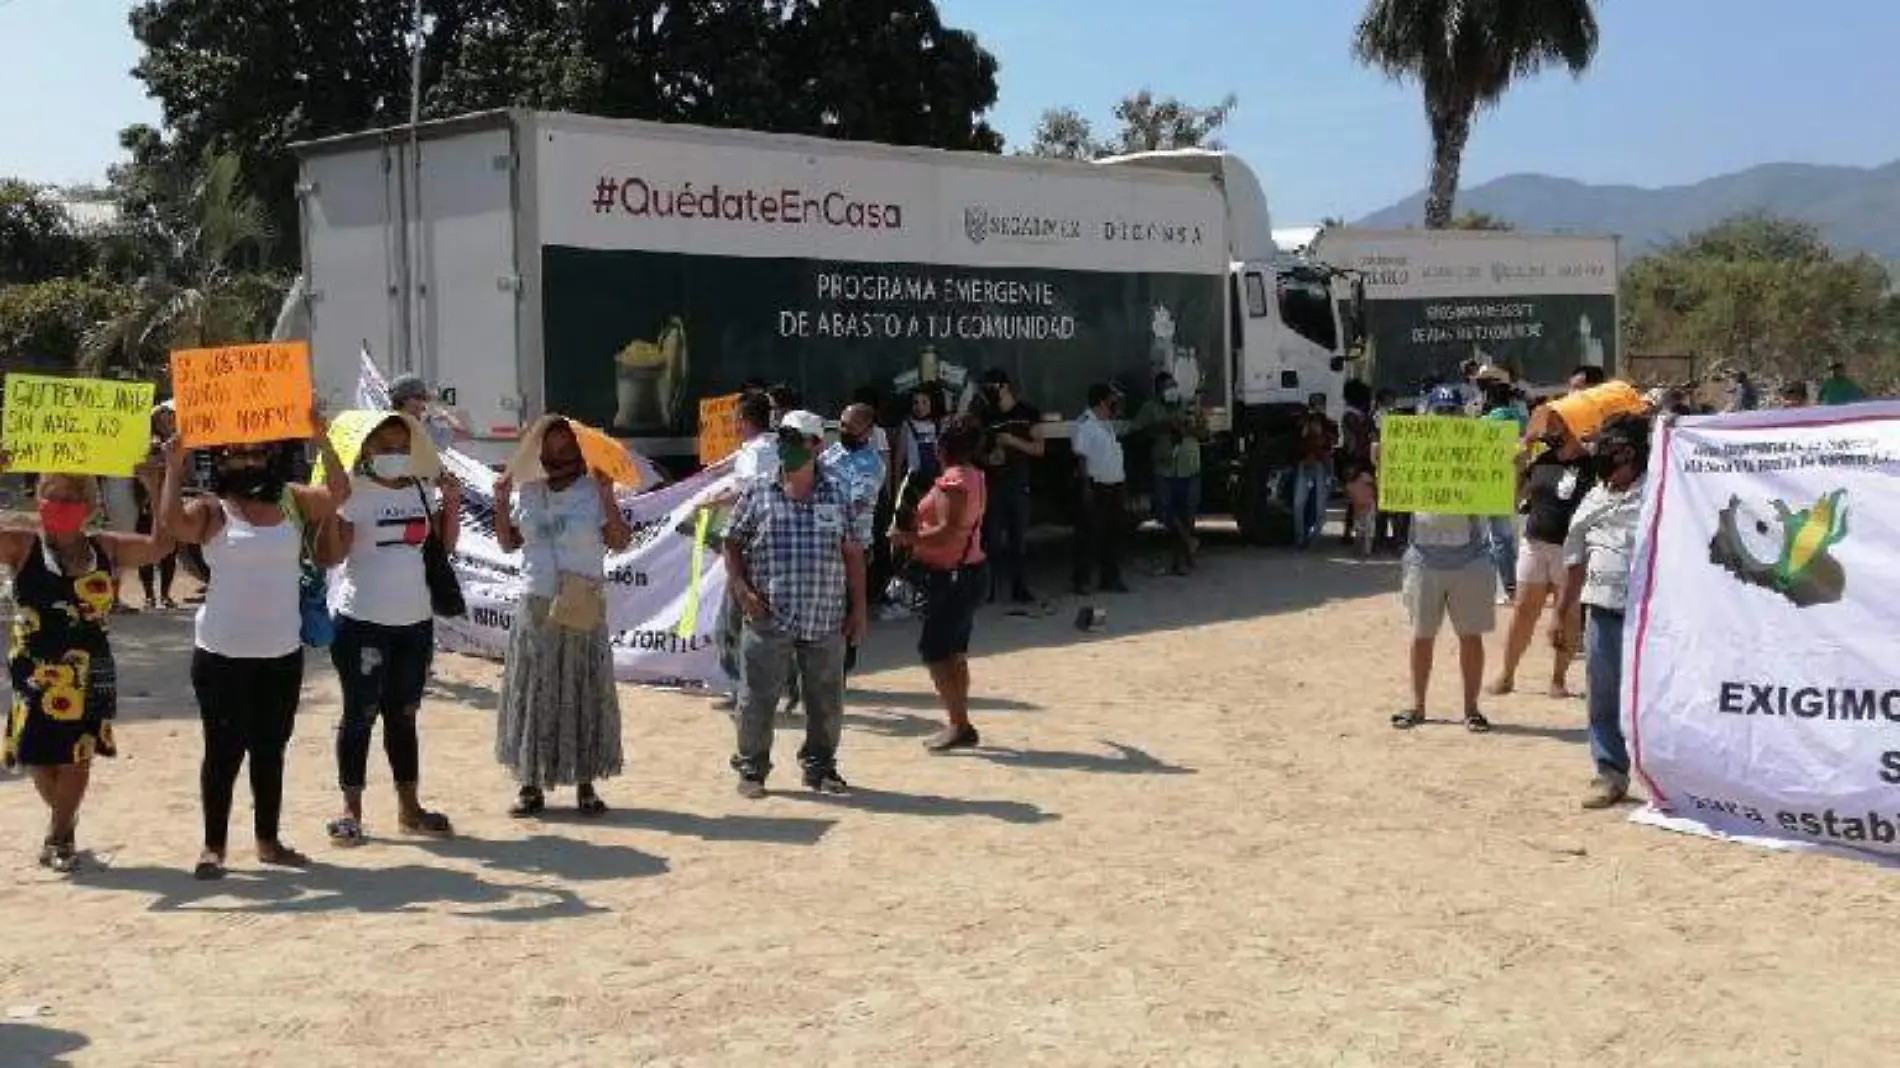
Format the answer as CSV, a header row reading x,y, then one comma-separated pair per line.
x,y
1605,464
853,442
248,483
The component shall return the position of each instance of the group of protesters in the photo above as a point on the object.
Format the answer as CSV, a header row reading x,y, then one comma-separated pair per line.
x,y
1581,468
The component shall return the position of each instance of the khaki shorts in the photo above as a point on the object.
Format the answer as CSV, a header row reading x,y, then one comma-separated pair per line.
x,y
1468,595
1540,563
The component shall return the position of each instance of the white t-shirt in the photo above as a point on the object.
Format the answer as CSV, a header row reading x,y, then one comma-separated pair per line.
x,y
382,581
1100,450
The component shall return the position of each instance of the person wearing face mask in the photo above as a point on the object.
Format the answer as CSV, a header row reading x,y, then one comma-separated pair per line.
x,y
59,657
853,461
247,667
385,626
1013,428
559,722
1557,474
1175,429
795,563
1103,485
1597,553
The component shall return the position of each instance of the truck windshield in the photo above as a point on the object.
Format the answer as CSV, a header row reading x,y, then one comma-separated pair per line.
x,y
1306,304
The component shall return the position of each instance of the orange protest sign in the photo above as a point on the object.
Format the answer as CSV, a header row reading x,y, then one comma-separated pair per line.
x,y
242,394
606,455
718,427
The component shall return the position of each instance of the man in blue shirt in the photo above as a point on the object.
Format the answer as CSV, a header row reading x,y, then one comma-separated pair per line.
x,y
855,464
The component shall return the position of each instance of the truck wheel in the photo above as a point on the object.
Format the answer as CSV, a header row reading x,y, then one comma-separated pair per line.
x,y
1261,510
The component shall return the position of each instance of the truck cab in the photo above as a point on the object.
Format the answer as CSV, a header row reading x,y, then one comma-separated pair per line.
x,y
1292,323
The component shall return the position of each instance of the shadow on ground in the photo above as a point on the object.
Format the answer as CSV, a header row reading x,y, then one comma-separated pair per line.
x,y
324,888
1235,581
891,803
30,1044
1123,760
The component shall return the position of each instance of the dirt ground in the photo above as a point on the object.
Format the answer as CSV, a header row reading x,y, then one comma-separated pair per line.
x,y
1192,840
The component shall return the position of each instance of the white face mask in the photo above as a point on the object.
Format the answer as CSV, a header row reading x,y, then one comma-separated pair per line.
x,y
1171,395
389,466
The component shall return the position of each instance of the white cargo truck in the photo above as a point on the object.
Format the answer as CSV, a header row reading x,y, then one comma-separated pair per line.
x,y
617,271
1540,305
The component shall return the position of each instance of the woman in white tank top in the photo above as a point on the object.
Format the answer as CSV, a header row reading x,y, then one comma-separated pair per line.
x,y
247,669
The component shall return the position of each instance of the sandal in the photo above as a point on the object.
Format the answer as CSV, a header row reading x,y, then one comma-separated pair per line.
x,y
530,802
1405,721
210,868
346,832
1476,723
588,803
279,855
431,824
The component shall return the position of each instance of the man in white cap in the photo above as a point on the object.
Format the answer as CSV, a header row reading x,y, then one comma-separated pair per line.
x,y
796,567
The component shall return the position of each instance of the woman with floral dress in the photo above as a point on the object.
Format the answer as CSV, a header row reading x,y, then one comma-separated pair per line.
x,y
64,686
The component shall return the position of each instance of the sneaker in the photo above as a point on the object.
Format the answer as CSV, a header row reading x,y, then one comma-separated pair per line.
x,y
893,613
1608,790
751,787
827,782
964,737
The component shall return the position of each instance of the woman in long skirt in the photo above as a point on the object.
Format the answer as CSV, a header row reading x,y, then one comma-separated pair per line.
x,y
560,714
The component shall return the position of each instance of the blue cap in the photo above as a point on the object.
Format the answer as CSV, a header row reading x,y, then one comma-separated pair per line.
x,y
1443,400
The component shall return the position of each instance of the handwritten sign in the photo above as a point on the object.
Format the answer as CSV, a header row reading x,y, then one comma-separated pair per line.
x,y
718,427
1447,465
605,455
242,394
83,426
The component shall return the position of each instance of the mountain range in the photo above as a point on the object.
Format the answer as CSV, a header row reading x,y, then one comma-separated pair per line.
x,y
1857,209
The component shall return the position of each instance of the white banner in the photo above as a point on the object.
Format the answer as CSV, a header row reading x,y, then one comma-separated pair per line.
x,y
1760,683
611,184
1436,264
664,629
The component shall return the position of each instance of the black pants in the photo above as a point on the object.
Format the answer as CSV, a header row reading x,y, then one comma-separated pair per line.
x,y
382,672
248,708
1006,535
164,571
1098,534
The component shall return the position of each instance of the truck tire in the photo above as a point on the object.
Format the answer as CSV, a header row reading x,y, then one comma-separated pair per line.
x,y
1261,509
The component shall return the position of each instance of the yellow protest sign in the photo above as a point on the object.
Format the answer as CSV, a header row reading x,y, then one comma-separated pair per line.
x,y
718,427
605,455
242,394
82,426
1447,465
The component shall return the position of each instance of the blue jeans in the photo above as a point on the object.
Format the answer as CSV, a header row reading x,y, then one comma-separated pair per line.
x,y
1502,532
1312,486
1603,673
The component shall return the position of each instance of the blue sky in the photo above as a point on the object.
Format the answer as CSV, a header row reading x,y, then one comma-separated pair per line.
x,y
1682,89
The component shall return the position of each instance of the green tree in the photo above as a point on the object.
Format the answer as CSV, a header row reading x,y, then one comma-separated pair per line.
x,y
210,286
42,324
1763,295
1146,124
37,240
1480,220
1465,54
250,79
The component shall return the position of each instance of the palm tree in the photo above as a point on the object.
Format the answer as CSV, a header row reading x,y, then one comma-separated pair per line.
x,y
1465,54
204,289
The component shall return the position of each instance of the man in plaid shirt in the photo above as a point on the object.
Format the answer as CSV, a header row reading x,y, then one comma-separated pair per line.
x,y
796,566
